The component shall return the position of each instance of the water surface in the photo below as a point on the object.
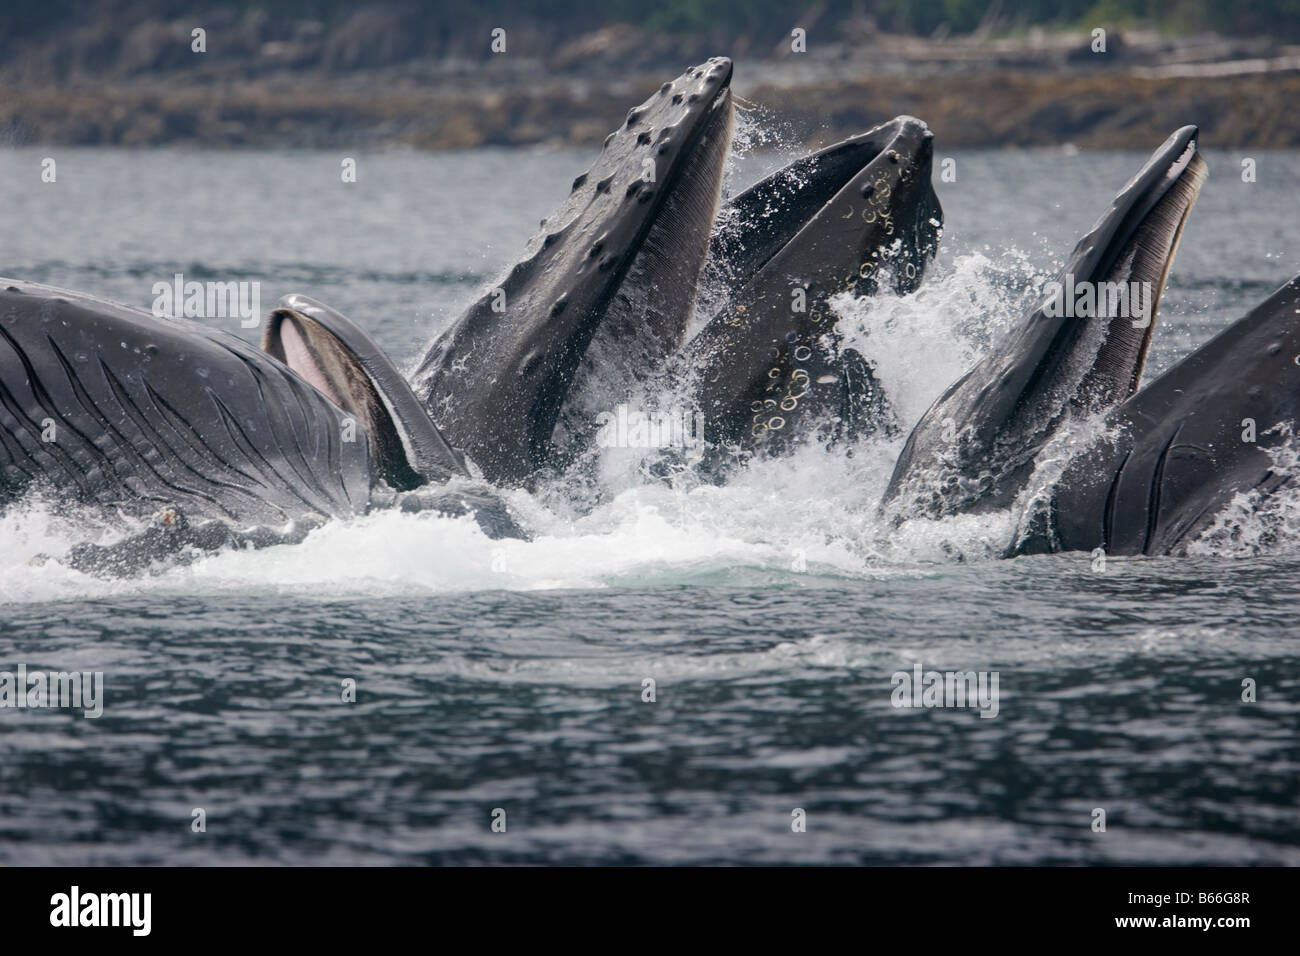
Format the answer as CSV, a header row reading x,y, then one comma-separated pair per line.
x,y
771,614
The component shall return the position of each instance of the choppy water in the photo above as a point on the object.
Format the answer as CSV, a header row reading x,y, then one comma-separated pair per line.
x,y
771,613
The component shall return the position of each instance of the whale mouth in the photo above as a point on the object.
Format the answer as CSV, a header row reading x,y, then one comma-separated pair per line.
x,y
1143,247
645,320
844,219
1080,351
1085,345
767,217
340,361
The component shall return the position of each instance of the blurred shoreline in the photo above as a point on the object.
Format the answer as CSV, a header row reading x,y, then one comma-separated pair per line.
x,y
350,87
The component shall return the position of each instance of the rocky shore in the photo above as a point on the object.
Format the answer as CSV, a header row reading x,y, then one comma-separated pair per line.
x,y
259,84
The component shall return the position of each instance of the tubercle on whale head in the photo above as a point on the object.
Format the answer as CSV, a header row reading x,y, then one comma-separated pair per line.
x,y
838,202
836,221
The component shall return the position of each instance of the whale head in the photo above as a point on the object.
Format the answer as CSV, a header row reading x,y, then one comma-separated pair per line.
x,y
622,253
845,219
1080,350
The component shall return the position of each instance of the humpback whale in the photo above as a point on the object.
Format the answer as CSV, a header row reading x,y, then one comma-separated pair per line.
x,y
225,444
1173,456
610,278
217,443
598,309
117,407
976,446
768,365
111,406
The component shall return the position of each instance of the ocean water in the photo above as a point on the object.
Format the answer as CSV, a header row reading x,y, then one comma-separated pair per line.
x,y
506,681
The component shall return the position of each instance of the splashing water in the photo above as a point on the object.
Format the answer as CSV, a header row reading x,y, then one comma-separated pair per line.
x,y
1253,524
800,519
609,523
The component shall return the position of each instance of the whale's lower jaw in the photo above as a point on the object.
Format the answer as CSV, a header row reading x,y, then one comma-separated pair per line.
x,y
193,440
767,371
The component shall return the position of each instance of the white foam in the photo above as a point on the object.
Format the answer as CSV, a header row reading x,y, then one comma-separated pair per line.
x,y
923,342
1252,524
